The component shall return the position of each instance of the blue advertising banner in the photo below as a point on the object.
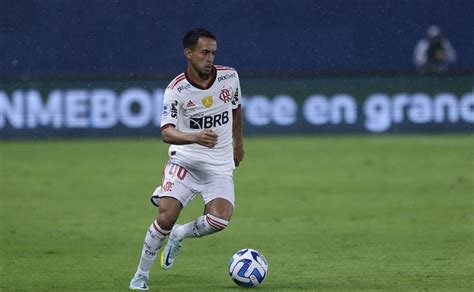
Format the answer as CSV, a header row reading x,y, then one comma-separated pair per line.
x,y
271,106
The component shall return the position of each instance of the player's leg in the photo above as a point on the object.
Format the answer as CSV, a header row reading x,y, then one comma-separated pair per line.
x,y
219,199
170,197
218,195
216,217
154,239
159,229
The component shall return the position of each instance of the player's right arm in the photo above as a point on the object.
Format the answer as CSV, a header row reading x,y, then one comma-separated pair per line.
x,y
171,135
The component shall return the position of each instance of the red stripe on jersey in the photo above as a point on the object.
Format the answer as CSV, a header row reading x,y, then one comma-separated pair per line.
x,y
224,68
177,80
177,77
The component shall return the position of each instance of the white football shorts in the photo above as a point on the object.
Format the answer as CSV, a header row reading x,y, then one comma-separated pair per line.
x,y
183,184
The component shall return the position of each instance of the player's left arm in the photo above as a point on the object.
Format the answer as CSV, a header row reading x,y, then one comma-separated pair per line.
x,y
237,134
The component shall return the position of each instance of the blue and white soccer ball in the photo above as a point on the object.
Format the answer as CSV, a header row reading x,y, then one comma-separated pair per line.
x,y
248,268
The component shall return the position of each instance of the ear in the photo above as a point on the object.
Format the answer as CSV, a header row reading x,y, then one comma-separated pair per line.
x,y
187,53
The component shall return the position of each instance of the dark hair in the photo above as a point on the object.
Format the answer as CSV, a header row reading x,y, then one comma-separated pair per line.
x,y
191,37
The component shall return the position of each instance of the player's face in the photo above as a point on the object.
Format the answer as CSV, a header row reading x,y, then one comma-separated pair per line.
x,y
202,55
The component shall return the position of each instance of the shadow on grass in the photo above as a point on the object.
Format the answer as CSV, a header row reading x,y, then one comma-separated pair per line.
x,y
182,282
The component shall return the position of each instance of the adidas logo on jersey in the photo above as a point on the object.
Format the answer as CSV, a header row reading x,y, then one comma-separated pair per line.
x,y
190,104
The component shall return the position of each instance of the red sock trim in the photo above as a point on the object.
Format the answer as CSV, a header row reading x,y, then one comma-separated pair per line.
x,y
214,223
160,230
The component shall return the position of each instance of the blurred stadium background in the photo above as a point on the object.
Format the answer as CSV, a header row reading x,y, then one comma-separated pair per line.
x,y
330,92
99,68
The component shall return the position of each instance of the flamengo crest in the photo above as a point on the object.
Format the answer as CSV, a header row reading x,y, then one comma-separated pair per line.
x,y
226,94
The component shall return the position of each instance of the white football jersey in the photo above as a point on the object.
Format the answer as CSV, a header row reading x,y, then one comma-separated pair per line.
x,y
192,108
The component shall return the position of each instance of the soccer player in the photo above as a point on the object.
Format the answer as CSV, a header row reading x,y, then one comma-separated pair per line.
x,y
202,120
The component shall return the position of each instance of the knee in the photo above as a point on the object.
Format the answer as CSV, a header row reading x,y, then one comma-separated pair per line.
x,y
220,208
169,212
166,220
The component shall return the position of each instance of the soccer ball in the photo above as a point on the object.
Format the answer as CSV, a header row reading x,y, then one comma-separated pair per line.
x,y
248,268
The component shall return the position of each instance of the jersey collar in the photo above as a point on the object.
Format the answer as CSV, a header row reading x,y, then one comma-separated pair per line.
x,y
209,84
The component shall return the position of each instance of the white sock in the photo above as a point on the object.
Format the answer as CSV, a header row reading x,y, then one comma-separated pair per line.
x,y
153,241
203,225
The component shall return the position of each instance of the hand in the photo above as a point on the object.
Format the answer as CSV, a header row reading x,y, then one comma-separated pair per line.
x,y
238,154
206,138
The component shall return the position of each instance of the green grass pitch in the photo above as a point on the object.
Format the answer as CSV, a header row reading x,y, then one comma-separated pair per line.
x,y
329,213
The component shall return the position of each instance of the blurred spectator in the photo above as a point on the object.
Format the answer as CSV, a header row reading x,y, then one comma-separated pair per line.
x,y
434,53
